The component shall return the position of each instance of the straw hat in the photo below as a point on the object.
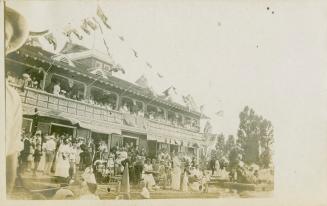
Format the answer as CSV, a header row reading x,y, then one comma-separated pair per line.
x,y
16,30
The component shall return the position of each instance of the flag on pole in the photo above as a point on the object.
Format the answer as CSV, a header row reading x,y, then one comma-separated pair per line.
x,y
51,39
103,17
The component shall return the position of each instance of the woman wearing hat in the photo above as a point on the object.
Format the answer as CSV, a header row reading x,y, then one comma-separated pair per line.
x,y
176,173
62,161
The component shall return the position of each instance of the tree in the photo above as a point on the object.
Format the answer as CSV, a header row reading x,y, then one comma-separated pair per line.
x,y
230,144
266,141
255,133
220,146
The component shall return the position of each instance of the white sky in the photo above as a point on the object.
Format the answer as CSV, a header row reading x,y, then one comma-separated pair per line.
x,y
283,79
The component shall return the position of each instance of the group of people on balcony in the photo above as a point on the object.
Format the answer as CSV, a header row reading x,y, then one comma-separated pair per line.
x,y
104,101
32,79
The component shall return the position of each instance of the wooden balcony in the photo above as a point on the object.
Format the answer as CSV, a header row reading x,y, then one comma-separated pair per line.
x,y
93,114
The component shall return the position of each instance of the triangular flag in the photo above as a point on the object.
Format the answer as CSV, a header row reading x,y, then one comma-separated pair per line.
x,y
148,64
121,38
103,17
90,23
77,34
135,53
84,27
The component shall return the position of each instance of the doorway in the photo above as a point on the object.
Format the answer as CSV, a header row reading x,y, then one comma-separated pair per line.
x,y
62,129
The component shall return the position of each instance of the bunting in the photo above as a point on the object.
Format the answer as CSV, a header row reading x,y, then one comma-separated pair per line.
x,y
77,34
69,30
104,41
90,23
84,27
103,17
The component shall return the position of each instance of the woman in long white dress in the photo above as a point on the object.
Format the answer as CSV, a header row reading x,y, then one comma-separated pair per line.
x,y
62,165
176,174
148,176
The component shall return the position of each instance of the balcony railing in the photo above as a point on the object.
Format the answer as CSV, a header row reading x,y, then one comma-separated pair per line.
x,y
33,98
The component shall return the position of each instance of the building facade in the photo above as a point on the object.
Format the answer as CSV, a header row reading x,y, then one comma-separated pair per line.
x,y
74,92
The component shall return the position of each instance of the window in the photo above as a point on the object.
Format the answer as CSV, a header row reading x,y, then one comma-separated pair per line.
x,y
127,104
71,88
98,64
104,98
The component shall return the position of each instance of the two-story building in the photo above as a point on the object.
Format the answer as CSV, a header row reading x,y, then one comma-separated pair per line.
x,y
93,104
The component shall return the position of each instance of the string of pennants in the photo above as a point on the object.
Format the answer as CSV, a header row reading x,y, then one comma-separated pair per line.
x,y
89,25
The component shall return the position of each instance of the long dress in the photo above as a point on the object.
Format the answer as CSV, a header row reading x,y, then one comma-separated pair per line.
x,y
176,174
41,166
148,178
62,165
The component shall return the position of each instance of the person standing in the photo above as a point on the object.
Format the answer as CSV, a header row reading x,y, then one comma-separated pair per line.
x,y
62,161
56,88
148,176
72,161
49,149
26,151
37,151
139,163
85,158
176,173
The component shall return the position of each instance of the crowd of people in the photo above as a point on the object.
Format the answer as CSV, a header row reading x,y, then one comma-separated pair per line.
x,y
34,79
91,163
65,158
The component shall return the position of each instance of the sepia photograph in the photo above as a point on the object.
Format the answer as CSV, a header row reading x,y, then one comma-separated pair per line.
x,y
110,100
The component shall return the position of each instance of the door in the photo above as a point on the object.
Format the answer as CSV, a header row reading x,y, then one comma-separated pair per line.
x,y
152,147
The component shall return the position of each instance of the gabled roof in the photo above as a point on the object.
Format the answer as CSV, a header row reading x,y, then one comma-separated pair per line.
x,y
72,48
91,53
64,59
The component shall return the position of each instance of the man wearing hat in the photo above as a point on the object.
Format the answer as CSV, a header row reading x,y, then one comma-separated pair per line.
x,y
16,33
